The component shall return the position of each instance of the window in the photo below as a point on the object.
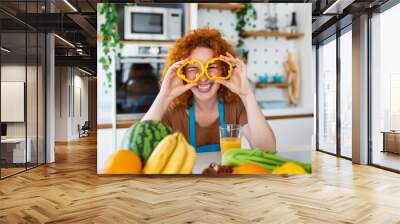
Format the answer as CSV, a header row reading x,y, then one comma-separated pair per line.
x,y
385,89
329,112
327,96
22,75
346,93
394,101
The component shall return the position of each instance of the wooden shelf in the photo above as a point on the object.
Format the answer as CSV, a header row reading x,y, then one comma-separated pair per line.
x,y
272,84
119,124
292,116
227,6
264,33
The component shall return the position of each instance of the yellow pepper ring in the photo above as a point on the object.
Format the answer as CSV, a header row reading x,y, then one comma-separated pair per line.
x,y
218,78
191,61
204,69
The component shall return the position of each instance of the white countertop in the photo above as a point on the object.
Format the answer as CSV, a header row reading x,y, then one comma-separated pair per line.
x,y
267,112
14,140
298,153
287,111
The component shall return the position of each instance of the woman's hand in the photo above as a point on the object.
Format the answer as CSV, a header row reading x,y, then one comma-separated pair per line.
x,y
172,86
238,82
257,130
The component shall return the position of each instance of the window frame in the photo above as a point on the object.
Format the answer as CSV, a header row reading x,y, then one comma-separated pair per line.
x,y
334,37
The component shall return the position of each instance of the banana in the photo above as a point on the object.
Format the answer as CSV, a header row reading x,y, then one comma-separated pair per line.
x,y
160,156
189,161
173,155
178,157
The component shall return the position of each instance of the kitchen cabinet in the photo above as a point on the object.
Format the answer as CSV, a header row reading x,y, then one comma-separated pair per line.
x,y
391,141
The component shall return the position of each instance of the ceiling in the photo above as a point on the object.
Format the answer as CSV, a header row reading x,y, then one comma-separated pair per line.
x,y
76,25
331,16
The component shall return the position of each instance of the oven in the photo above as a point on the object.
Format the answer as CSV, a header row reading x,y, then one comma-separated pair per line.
x,y
138,74
152,23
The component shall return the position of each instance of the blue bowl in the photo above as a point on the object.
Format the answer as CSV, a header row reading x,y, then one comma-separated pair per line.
x,y
263,79
277,79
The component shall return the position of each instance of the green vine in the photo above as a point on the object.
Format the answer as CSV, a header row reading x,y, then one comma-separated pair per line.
x,y
111,39
245,18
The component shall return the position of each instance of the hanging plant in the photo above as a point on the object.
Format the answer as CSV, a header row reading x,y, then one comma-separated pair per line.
x,y
245,17
111,39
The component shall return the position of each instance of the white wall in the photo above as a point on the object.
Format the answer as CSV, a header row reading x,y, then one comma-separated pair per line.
x,y
12,73
106,106
71,93
314,90
61,103
305,56
33,126
50,95
81,104
293,132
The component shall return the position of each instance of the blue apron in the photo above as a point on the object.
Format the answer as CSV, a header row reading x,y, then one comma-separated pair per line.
x,y
192,129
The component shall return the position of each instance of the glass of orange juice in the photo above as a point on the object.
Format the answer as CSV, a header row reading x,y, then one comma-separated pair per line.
x,y
229,137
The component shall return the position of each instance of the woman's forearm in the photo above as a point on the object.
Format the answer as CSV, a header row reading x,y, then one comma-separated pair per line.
x,y
157,109
259,133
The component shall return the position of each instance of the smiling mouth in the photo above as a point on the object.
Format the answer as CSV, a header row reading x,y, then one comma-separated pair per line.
x,y
204,88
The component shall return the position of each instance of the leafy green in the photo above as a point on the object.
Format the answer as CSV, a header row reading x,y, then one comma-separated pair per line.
x,y
111,40
269,160
245,17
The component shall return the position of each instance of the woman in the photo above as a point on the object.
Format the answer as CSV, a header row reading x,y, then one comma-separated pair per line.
x,y
197,106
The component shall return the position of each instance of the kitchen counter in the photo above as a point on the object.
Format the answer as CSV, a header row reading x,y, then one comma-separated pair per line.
x,y
273,114
291,111
298,153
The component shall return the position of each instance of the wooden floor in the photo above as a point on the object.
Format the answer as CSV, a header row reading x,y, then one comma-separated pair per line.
x,y
70,191
5,172
387,159
10,171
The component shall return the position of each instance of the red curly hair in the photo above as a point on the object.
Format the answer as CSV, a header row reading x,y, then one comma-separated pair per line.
x,y
202,37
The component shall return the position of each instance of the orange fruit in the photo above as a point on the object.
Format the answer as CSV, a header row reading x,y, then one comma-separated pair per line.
x,y
250,168
123,162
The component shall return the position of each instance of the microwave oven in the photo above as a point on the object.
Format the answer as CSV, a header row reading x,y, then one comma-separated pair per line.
x,y
152,23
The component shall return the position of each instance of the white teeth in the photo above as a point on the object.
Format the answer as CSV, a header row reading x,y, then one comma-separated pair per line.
x,y
204,87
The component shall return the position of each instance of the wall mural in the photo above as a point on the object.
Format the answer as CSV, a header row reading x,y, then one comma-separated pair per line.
x,y
192,82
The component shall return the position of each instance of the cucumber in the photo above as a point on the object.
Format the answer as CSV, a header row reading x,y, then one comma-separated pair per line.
x,y
269,160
